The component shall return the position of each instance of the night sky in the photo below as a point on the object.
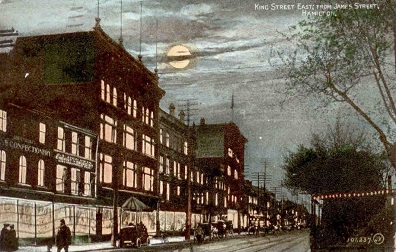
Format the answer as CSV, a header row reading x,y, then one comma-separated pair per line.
x,y
232,51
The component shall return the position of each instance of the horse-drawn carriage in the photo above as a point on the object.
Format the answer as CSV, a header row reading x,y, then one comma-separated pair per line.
x,y
220,229
133,235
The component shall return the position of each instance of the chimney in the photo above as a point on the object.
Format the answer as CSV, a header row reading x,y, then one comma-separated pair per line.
x,y
172,109
181,116
202,121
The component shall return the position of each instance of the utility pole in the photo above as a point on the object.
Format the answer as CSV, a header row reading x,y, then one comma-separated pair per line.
x,y
188,106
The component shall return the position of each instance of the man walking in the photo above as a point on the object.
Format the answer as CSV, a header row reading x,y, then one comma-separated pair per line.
x,y
63,237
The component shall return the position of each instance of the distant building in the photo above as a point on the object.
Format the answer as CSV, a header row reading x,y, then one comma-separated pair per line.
x,y
221,154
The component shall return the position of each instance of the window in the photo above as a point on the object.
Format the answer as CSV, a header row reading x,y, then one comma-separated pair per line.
x,y
165,190
60,178
148,179
108,93
75,181
108,129
3,160
129,174
22,170
151,118
88,147
167,140
106,168
178,190
42,130
176,170
230,153
235,174
129,138
135,108
128,106
161,164
229,173
87,183
148,146
75,145
40,173
167,166
61,144
3,120
102,90
114,96
185,148
161,136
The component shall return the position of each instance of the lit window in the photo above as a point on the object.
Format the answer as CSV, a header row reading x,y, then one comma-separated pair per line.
x,y
74,149
40,173
148,145
75,181
229,170
60,178
167,191
87,183
148,179
185,147
230,153
114,97
102,90
135,108
167,144
108,93
235,174
42,130
106,168
22,170
88,147
3,120
167,166
108,129
185,172
178,190
146,117
129,105
151,118
61,139
3,160
129,174
129,138
161,164
161,135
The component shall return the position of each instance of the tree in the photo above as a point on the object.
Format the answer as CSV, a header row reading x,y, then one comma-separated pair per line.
x,y
346,56
340,163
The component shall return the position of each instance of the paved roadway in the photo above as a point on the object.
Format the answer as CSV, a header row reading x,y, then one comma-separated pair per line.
x,y
294,241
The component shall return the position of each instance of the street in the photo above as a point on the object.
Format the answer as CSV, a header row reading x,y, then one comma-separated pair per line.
x,y
295,241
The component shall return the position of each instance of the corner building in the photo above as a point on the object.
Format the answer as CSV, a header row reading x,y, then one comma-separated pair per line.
x,y
85,85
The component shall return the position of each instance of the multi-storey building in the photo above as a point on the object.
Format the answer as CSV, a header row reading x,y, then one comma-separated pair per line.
x,y
220,153
87,82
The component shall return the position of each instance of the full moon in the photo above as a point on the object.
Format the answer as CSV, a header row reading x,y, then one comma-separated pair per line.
x,y
179,55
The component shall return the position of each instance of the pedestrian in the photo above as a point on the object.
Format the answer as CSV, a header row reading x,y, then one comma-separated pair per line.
x,y
12,239
4,236
63,237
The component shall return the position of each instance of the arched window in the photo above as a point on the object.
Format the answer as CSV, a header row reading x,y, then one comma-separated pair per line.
x,y
22,170
40,173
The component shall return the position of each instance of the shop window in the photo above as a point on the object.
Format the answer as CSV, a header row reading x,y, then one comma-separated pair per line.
x,y
60,178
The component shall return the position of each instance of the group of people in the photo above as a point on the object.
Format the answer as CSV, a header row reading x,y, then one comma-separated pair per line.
x,y
8,239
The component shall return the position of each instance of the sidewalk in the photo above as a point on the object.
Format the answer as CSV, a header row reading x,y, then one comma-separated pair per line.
x,y
98,245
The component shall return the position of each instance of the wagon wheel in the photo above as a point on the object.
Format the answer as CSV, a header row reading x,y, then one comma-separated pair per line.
x,y
138,243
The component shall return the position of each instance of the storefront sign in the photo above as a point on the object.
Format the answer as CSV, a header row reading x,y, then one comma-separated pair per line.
x,y
26,147
75,161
